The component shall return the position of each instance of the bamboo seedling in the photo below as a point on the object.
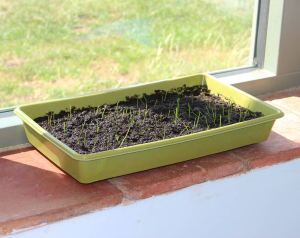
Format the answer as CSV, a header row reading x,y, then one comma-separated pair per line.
x,y
176,115
164,133
220,120
145,116
96,110
125,137
223,109
97,127
139,111
206,122
161,116
94,145
246,112
81,129
142,101
104,111
126,110
186,127
169,113
145,130
117,137
122,116
155,103
145,98
189,110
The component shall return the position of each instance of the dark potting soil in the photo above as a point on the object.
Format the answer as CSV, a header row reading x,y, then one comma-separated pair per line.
x,y
143,119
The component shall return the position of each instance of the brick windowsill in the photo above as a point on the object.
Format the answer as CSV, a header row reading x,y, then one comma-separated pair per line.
x,y
34,191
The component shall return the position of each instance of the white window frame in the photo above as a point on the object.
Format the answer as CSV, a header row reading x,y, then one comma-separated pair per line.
x,y
275,52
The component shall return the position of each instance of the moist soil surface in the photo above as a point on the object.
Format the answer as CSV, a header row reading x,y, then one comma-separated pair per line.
x,y
143,119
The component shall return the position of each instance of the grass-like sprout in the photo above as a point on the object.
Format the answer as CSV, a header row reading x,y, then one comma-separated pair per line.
x,y
54,119
126,110
192,99
166,96
194,126
198,120
164,133
117,107
222,109
145,98
161,116
186,127
125,137
81,129
114,118
176,115
117,137
139,111
206,122
220,121
104,111
178,101
155,103
145,116
107,143
189,110
155,120
246,112
142,101
64,127
97,110
182,131
145,130
84,138
131,119
94,145
97,127
122,116
229,114
169,113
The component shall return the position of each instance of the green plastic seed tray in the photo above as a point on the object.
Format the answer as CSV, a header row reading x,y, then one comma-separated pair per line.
x,y
103,165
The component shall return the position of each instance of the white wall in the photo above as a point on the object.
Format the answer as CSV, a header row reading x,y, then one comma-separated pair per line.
x,y
263,203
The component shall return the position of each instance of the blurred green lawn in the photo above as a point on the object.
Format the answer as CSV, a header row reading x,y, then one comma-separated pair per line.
x,y
57,48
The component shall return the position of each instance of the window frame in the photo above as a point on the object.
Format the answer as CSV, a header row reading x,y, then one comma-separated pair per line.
x,y
264,76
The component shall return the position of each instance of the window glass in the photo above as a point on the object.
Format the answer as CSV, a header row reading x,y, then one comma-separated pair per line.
x,y
57,48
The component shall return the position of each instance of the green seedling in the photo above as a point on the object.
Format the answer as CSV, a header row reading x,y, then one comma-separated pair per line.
x,y
178,101
169,113
145,98
246,112
137,100
155,120
164,133
161,116
81,129
145,116
94,145
192,99
206,122
222,109
186,127
54,119
117,137
189,110
104,111
182,131
132,120
122,116
126,110
220,121
97,127
97,110
142,101
139,111
64,127
117,107
155,103
198,120
166,96
125,137
145,130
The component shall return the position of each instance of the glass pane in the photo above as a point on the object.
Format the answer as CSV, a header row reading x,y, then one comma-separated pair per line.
x,y
53,49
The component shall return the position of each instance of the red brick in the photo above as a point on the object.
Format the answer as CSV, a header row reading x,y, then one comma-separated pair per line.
x,y
169,178
282,145
34,191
